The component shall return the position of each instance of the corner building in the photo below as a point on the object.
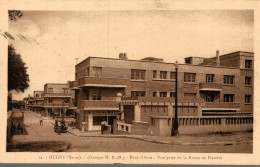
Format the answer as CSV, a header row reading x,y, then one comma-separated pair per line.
x,y
212,93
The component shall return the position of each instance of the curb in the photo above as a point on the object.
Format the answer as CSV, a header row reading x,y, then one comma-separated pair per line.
x,y
125,136
160,142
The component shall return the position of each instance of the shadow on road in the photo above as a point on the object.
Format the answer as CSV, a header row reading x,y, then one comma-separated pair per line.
x,y
39,146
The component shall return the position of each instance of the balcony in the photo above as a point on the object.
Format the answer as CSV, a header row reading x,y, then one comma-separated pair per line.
x,y
56,95
221,106
59,105
38,104
73,85
102,82
210,86
98,105
38,98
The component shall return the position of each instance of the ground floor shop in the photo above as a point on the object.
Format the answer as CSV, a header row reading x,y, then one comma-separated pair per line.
x,y
90,120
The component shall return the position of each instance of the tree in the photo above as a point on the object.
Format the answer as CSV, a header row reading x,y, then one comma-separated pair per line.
x,y
14,14
18,79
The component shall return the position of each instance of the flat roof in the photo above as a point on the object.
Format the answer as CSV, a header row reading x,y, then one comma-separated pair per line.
x,y
57,83
167,62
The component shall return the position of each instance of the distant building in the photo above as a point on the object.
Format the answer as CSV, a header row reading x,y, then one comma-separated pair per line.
x,y
211,91
57,99
38,100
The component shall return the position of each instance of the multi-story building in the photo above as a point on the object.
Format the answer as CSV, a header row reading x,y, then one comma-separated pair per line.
x,y
57,99
211,91
29,103
38,99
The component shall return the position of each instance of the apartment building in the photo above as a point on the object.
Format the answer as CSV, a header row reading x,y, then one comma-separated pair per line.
x,y
38,100
211,91
57,99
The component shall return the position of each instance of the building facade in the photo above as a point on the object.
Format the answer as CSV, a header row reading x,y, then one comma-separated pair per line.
x,y
209,90
38,100
57,99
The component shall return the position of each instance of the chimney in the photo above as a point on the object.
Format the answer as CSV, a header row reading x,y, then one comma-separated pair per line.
x,y
217,58
123,56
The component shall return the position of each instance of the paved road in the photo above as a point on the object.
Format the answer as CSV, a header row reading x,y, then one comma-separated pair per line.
x,y
97,144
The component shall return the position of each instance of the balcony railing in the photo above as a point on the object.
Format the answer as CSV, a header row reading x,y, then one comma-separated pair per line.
x,y
56,104
102,104
221,105
56,94
38,104
102,82
162,99
73,85
210,86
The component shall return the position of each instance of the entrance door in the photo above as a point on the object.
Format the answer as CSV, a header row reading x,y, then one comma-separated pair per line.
x,y
111,121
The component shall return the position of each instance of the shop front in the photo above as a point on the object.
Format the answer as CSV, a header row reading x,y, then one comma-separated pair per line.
x,y
91,120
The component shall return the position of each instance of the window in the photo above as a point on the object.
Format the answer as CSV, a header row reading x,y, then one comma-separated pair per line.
x,y
210,77
137,93
248,64
154,94
37,95
97,95
76,76
138,74
154,74
247,80
187,61
189,95
228,98
173,75
50,90
210,98
65,90
50,100
163,74
247,98
66,100
97,71
87,71
152,121
163,94
229,79
189,77
172,94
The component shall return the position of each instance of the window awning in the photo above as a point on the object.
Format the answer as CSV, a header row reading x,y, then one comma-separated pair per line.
x,y
210,89
103,85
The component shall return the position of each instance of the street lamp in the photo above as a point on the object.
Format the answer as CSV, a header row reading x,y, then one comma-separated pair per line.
x,y
118,101
175,123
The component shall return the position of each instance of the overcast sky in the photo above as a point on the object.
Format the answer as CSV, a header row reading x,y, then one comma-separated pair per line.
x,y
55,39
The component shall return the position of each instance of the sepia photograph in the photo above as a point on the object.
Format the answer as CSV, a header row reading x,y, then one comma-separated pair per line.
x,y
130,81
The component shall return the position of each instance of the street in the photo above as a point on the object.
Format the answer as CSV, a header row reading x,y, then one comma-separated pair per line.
x,y
46,140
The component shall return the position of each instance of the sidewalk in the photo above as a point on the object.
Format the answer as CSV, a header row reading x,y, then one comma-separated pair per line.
x,y
202,139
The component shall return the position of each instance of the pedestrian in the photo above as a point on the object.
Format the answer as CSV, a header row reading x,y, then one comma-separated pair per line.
x,y
21,130
41,121
59,127
103,125
75,122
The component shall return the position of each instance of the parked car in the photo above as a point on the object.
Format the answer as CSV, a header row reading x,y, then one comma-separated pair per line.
x,y
64,128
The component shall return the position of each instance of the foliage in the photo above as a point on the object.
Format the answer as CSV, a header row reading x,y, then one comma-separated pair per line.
x,y
14,14
18,79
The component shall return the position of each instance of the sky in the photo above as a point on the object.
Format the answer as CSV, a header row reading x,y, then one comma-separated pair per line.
x,y
54,39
